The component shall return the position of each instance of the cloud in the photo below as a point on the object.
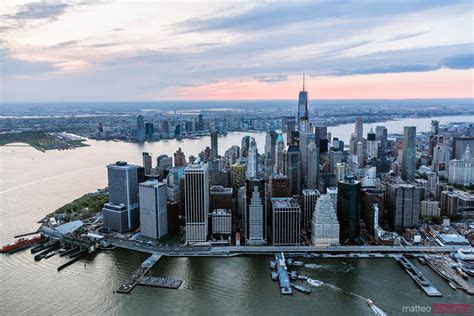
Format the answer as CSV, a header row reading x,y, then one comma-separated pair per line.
x,y
17,67
65,44
279,14
39,10
271,78
383,70
464,61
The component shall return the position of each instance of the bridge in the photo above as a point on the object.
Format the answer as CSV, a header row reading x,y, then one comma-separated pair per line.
x,y
229,251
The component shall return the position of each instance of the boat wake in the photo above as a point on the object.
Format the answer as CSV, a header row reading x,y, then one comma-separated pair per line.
x,y
345,268
377,310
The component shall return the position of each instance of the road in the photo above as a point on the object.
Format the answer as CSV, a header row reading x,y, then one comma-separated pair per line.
x,y
187,251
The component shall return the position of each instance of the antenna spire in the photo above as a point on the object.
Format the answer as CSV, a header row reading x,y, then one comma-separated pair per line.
x,y
303,82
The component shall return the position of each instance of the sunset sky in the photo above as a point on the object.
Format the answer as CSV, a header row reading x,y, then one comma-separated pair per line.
x,y
223,50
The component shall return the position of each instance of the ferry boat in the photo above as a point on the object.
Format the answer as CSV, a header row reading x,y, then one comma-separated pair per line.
x,y
376,309
22,242
315,283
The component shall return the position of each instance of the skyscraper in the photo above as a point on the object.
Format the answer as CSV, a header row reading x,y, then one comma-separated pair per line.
x,y
153,209
303,115
147,163
312,172
245,145
196,194
324,224
121,212
279,186
359,129
461,171
279,148
381,136
179,158
403,205
348,210
237,173
372,146
255,217
409,153
270,144
309,200
149,130
292,168
252,161
286,220
214,148
434,127
306,138
140,128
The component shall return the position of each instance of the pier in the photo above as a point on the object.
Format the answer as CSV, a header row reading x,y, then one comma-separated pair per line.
x,y
282,274
139,277
443,266
417,276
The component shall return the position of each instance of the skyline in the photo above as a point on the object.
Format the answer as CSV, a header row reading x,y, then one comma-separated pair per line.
x,y
104,51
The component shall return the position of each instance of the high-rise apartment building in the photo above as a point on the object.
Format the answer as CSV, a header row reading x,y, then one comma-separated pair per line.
x,y
140,128
403,205
214,146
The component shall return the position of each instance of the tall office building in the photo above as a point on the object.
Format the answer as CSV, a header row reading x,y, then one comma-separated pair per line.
x,y
341,171
359,129
403,205
279,186
286,219
245,145
179,158
324,224
321,138
270,145
153,209
121,213
221,198
238,173
255,215
309,200
434,127
196,194
409,153
292,168
279,148
372,146
289,127
149,130
312,160
147,163
441,157
381,136
140,129
252,160
306,138
348,210
303,114
461,171
214,148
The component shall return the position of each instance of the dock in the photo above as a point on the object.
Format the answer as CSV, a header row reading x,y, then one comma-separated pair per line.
x,y
443,266
282,274
417,276
139,277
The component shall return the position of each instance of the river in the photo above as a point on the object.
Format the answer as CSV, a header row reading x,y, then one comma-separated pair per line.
x,y
33,184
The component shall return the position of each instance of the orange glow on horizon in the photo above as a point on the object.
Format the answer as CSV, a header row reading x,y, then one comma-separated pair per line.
x,y
442,83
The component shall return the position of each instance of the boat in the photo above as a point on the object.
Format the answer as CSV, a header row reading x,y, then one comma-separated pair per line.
x,y
293,275
274,275
422,260
298,263
272,264
315,283
302,277
451,284
376,309
301,288
22,242
49,255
